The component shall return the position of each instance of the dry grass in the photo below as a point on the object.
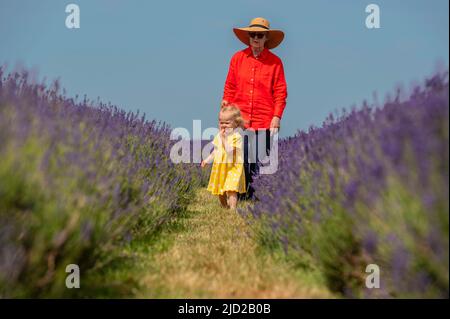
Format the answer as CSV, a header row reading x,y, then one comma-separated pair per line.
x,y
209,254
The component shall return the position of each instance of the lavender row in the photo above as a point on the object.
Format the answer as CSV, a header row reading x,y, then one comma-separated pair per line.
x,y
78,179
368,187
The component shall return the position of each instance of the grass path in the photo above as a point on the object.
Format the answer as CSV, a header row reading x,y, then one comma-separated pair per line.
x,y
208,253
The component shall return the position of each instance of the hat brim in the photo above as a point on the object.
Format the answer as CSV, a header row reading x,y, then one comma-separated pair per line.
x,y
275,36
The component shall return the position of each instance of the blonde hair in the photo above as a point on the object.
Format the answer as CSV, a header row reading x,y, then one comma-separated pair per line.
x,y
235,115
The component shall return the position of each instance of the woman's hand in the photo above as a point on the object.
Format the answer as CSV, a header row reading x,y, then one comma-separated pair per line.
x,y
203,164
274,125
224,103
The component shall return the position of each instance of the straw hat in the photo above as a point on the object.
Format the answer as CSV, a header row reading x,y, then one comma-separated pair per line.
x,y
260,25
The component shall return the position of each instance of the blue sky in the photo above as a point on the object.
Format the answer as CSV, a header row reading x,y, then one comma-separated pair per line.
x,y
169,59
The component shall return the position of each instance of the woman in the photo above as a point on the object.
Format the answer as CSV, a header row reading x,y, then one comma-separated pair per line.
x,y
256,84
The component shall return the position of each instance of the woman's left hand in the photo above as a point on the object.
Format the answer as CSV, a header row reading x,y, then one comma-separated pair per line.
x,y
274,125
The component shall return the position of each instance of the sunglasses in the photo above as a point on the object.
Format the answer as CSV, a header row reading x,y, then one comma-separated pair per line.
x,y
256,35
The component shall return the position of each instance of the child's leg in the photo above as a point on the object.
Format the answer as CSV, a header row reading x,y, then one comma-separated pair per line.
x,y
223,200
232,199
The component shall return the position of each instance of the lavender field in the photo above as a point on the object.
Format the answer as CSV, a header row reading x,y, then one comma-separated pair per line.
x,y
371,186
80,180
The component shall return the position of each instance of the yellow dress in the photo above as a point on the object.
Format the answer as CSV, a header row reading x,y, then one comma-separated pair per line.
x,y
227,172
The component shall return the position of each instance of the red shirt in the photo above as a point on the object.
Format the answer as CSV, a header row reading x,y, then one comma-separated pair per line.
x,y
257,86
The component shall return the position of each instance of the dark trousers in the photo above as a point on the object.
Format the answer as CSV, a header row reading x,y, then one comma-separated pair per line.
x,y
252,158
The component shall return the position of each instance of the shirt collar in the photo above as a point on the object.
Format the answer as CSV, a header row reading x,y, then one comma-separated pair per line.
x,y
262,55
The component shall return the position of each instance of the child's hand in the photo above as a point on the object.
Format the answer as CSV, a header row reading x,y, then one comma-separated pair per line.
x,y
225,131
228,131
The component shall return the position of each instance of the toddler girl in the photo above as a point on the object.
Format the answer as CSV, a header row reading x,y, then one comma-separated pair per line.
x,y
227,173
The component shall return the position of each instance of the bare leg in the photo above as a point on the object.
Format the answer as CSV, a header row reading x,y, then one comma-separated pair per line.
x,y
232,199
223,200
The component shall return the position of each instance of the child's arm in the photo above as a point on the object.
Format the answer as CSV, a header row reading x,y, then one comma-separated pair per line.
x,y
228,147
208,159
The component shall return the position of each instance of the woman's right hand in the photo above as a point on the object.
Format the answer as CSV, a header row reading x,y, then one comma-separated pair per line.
x,y
224,103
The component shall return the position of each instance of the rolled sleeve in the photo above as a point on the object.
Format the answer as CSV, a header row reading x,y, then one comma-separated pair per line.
x,y
230,82
279,91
